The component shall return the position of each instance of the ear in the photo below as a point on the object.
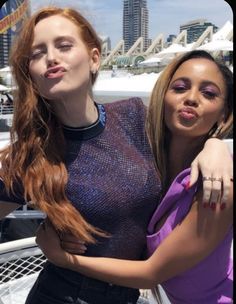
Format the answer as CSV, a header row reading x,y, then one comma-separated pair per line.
x,y
95,60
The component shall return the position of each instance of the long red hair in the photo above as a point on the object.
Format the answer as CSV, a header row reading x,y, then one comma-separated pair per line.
x,y
35,157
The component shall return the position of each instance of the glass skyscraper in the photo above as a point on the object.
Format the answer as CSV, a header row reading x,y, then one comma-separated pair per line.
x,y
195,28
135,22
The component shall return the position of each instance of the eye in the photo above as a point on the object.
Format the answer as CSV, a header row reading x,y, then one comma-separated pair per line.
x,y
179,88
209,94
65,47
36,54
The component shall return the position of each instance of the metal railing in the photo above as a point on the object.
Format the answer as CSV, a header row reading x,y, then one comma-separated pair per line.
x,y
6,109
20,264
25,213
20,223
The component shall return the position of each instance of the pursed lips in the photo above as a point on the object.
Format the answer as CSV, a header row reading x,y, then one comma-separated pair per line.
x,y
188,113
55,72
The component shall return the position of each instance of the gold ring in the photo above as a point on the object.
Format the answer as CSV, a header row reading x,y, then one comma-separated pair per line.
x,y
215,179
207,178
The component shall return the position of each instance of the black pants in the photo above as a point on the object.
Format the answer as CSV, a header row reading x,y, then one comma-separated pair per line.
x,y
59,286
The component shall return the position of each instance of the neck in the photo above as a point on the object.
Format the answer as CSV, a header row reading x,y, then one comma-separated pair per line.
x,y
76,112
182,152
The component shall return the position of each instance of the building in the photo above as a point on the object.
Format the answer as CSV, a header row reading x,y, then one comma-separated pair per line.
x,y
170,39
135,23
195,28
106,45
12,13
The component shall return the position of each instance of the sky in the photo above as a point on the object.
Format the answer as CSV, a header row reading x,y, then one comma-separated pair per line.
x,y
165,16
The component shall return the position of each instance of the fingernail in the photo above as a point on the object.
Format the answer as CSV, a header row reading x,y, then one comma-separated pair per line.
x,y
205,205
80,242
213,206
187,186
222,206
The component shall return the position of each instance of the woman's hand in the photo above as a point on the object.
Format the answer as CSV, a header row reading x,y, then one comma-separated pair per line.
x,y
216,166
71,244
49,242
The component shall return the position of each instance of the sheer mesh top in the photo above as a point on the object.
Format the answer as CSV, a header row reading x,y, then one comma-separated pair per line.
x,y
112,178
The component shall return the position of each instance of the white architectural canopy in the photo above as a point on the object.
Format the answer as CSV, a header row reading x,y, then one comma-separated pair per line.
x,y
225,32
5,70
153,61
173,49
217,45
3,88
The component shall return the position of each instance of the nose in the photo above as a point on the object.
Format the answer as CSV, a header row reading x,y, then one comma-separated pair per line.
x,y
192,98
51,57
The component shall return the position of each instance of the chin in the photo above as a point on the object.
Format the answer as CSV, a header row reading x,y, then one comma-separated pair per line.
x,y
55,93
58,90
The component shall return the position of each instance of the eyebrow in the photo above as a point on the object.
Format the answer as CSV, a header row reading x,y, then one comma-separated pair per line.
x,y
181,78
56,40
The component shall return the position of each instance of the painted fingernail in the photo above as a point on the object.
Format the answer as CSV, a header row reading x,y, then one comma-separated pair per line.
x,y
222,206
205,205
213,206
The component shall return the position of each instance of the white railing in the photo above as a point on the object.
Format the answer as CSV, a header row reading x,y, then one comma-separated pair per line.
x,y
20,263
6,109
26,213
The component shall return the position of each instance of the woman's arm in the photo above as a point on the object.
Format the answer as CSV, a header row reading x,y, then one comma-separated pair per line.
x,y
189,243
215,160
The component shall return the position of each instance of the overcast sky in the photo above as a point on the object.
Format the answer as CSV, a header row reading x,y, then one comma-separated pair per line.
x,y
165,16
